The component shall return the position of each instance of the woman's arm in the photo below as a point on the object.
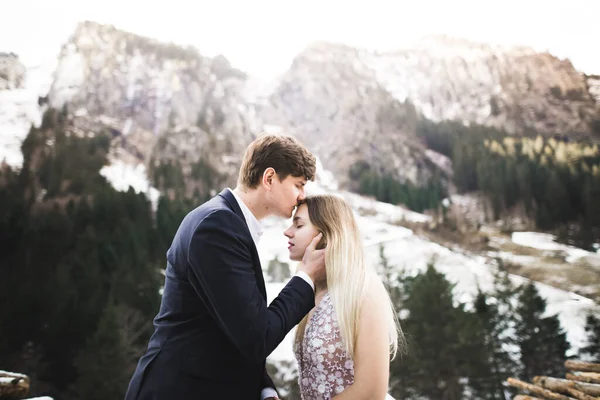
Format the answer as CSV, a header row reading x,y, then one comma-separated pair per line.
x,y
372,353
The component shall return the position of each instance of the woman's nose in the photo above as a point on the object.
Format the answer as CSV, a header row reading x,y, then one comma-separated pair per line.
x,y
288,233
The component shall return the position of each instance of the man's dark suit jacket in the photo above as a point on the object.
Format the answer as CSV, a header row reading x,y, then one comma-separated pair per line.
x,y
214,330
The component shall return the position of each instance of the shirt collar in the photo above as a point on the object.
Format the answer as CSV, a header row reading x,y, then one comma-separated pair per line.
x,y
253,225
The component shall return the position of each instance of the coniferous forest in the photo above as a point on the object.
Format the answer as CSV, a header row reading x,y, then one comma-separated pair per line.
x,y
81,268
555,180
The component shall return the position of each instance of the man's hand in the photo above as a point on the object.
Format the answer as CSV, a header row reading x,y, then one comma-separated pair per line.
x,y
313,261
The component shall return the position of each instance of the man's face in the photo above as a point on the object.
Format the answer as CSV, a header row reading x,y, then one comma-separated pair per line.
x,y
286,194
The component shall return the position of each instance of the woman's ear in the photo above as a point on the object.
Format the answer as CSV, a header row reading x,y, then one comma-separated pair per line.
x,y
322,243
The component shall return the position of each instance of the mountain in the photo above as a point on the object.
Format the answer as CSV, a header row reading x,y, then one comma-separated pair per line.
x,y
334,102
593,83
355,108
162,103
512,88
12,71
21,89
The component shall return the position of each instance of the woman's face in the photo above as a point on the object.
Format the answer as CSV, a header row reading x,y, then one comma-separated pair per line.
x,y
300,234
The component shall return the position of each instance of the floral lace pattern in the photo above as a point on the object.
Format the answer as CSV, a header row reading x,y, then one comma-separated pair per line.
x,y
325,369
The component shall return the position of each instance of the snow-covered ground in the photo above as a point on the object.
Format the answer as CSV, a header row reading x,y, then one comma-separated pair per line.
x,y
546,242
19,110
123,175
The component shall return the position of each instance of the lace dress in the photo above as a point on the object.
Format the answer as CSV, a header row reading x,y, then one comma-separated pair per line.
x,y
325,369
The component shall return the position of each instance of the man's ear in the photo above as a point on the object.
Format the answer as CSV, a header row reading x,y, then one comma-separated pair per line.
x,y
268,176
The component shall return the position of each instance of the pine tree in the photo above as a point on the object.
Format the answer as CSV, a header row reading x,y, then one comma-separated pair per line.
x,y
541,339
385,269
504,295
486,382
591,194
557,199
398,287
434,327
592,329
102,365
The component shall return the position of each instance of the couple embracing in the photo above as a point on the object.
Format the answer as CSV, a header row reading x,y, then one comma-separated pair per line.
x,y
215,329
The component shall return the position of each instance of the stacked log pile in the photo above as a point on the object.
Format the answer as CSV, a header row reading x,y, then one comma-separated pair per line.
x,y
581,383
13,386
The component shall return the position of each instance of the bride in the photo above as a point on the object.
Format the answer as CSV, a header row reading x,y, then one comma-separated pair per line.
x,y
343,346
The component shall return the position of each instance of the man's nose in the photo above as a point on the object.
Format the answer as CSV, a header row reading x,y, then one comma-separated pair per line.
x,y
302,195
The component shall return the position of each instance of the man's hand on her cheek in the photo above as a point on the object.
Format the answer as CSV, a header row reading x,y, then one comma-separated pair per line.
x,y
313,261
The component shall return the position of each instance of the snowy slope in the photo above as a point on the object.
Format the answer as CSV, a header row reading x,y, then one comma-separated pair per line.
x,y
19,109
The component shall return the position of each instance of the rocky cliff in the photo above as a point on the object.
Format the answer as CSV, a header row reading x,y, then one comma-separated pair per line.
x,y
12,71
163,103
593,83
355,108
334,102
512,88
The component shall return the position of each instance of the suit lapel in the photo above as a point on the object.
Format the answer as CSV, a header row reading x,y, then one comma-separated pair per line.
x,y
235,207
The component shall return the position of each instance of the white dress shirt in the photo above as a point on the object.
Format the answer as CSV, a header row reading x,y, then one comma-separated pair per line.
x,y
256,232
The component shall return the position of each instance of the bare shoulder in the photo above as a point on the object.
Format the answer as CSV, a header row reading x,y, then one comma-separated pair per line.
x,y
375,298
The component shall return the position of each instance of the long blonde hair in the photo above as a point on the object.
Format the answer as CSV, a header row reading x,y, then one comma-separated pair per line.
x,y
348,275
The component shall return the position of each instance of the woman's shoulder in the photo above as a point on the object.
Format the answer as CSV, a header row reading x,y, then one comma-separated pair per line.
x,y
375,293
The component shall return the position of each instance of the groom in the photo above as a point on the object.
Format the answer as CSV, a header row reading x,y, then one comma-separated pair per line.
x,y
214,329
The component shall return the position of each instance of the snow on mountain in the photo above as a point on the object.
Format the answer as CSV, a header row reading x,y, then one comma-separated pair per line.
x,y
593,83
122,176
512,88
19,109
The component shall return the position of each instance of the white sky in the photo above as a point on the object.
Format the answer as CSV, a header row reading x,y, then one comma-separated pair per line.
x,y
262,36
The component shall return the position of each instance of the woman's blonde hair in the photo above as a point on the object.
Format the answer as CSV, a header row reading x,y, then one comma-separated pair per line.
x,y
347,273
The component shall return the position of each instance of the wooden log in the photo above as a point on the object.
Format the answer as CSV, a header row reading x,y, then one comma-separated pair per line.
x,y
556,384
540,391
589,377
13,388
592,389
524,397
575,365
6,374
